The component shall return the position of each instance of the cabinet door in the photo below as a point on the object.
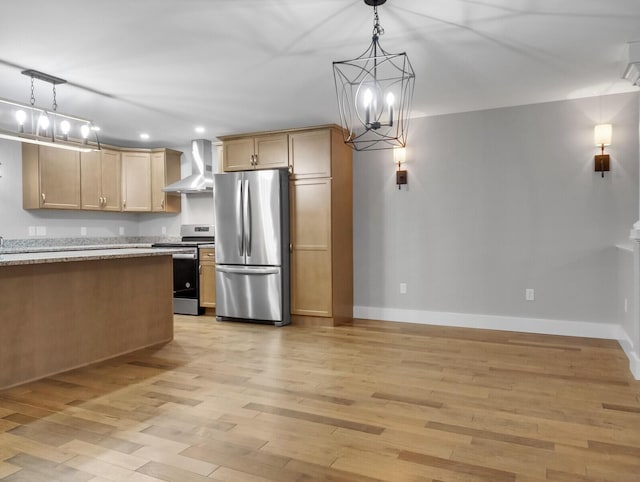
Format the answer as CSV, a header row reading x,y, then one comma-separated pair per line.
x,y
111,180
91,180
311,240
272,151
136,181
207,278
310,153
237,154
165,169
158,196
59,178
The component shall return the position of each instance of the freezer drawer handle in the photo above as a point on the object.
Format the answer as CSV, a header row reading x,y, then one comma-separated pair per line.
x,y
247,271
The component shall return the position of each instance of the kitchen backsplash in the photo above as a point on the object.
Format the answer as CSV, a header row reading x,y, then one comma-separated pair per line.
x,y
83,241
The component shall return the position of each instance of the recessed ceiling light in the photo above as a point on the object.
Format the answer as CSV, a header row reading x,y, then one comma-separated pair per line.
x,y
144,136
199,129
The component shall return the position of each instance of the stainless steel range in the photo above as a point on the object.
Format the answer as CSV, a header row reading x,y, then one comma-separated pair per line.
x,y
186,284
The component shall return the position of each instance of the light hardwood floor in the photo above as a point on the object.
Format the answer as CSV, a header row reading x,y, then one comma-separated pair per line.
x,y
372,401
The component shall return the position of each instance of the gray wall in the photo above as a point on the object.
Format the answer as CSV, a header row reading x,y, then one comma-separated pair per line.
x,y
15,222
499,201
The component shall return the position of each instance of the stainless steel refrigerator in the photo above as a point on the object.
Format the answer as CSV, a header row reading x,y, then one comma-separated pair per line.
x,y
252,246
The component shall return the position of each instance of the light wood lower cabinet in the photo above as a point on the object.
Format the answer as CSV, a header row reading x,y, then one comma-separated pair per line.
x,y
100,180
51,178
207,278
311,277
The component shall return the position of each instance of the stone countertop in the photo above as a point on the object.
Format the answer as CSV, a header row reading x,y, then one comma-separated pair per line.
x,y
89,247
84,254
207,246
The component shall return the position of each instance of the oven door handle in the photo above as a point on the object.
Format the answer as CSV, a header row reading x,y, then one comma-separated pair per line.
x,y
184,256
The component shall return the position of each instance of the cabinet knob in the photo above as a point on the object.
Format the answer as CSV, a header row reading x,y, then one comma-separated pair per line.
x,y
44,197
252,159
104,200
256,160
162,203
124,203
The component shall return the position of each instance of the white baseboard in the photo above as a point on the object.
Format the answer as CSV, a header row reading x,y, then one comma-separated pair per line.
x,y
632,355
587,329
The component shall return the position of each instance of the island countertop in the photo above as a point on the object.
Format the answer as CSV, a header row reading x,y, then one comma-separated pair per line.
x,y
53,255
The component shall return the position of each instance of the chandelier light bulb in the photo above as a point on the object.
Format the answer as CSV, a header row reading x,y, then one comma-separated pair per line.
x,y
84,132
390,100
43,122
65,127
21,116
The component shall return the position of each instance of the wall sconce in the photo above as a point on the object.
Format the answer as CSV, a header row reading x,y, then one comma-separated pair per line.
x,y
400,157
602,137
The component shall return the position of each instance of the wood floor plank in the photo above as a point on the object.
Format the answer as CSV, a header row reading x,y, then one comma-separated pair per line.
x,y
311,417
367,401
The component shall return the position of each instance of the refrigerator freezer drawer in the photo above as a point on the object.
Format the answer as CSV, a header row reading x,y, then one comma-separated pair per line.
x,y
249,292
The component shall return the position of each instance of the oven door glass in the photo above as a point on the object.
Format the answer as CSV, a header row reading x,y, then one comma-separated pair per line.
x,y
185,276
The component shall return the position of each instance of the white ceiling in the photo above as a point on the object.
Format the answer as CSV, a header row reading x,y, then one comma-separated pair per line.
x,y
166,66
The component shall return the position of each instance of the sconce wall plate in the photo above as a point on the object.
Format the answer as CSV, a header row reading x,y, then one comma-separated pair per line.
x,y
401,178
601,163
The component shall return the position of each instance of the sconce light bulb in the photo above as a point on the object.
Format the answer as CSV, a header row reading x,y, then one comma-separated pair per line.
x,y
21,116
84,131
65,127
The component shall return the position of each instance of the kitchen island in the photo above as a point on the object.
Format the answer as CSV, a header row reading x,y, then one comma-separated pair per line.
x,y
65,309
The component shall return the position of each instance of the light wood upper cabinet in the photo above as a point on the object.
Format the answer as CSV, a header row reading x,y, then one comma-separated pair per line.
x,y
51,178
207,278
310,153
268,151
107,180
100,180
165,169
136,181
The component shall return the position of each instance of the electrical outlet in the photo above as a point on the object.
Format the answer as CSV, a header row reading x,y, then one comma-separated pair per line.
x,y
41,230
83,231
403,288
164,230
529,294
32,230
121,230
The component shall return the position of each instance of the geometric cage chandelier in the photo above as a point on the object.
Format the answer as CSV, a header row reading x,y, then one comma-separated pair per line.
x,y
374,94
48,127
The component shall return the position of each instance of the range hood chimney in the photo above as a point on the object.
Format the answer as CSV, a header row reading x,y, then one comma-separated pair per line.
x,y
201,178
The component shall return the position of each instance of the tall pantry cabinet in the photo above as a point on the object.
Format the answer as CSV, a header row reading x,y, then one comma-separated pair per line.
x,y
321,197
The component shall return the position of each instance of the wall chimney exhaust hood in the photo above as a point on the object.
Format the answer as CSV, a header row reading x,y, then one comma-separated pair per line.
x,y
201,178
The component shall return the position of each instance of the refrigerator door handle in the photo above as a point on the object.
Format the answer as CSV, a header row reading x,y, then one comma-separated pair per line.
x,y
232,270
240,225
246,214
